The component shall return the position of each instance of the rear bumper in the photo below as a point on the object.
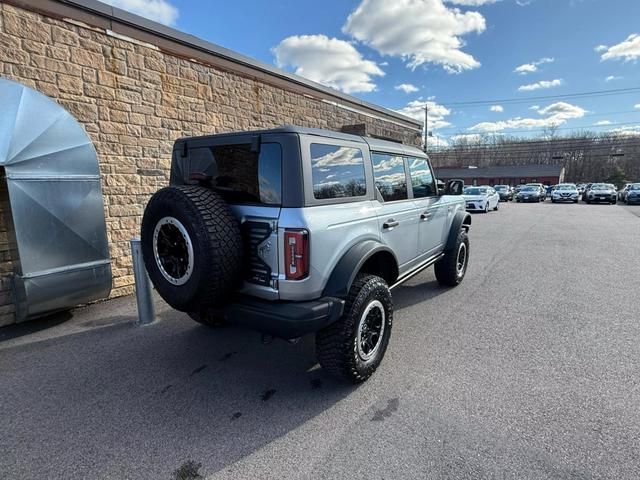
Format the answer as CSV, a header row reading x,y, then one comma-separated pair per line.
x,y
284,319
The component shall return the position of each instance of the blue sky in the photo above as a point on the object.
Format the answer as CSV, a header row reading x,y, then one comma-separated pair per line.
x,y
403,53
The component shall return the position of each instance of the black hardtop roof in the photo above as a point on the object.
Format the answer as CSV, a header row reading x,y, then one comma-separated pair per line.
x,y
374,143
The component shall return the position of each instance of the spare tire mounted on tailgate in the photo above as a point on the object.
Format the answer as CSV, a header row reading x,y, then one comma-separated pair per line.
x,y
192,247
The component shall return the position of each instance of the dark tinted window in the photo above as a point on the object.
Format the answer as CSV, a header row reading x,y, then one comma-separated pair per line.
x,y
238,174
421,178
390,177
337,171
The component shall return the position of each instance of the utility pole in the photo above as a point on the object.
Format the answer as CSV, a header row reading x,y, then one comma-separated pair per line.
x,y
426,125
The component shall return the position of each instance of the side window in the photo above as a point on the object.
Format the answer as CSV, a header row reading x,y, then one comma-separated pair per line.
x,y
421,178
390,177
337,171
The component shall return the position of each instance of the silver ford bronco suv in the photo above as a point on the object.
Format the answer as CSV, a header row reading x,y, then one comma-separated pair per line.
x,y
294,230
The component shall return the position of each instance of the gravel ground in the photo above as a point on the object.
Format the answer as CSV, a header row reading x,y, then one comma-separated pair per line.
x,y
529,369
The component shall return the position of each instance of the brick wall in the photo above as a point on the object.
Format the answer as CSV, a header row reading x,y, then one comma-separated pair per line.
x,y
134,100
8,255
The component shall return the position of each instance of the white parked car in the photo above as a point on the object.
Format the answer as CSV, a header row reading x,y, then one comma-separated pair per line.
x,y
565,192
481,199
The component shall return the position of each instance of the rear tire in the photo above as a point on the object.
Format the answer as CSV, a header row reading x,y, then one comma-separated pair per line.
x,y
451,269
497,207
192,247
354,346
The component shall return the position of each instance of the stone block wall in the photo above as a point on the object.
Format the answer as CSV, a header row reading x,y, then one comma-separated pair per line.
x,y
135,99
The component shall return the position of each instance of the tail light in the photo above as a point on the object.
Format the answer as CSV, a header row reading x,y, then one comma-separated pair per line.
x,y
296,254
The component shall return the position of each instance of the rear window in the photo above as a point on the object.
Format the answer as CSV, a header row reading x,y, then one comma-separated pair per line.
x,y
238,174
337,171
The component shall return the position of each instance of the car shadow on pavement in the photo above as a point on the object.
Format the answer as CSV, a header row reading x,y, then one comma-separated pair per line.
x,y
174,392
170,393
418,290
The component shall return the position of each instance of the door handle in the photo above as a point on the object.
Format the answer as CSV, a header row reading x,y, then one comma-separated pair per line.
x,y
392,222
426,215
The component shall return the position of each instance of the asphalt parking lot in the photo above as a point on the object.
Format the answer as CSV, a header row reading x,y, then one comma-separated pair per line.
x,y
529,369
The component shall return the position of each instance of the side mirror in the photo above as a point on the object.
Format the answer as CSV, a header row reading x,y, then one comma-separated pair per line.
x,y
454,187
440,186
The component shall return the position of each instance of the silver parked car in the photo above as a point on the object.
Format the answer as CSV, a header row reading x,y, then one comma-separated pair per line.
x,y
542,187
623,191
530,193
601,193
481,199
565,192
295,230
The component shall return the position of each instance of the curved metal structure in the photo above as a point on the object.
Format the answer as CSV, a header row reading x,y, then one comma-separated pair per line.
x,y
56,203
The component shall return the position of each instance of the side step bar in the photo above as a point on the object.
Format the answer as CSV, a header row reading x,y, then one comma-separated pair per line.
x,y
412,273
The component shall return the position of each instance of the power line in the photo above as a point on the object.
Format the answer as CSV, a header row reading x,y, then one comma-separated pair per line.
x,y
554,145
622,112
543,130
596,93
560,143
590,150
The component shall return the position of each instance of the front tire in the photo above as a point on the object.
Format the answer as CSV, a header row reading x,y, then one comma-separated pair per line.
x,y
354,346
497,207
451,269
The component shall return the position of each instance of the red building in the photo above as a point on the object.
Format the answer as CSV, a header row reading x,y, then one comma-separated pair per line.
x,y
504,174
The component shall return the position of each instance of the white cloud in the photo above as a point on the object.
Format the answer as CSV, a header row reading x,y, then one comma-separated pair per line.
x,y
329,61
629,50
157,10
437,113
563,110
637,106
543,84
418,31
472,3
534,107
629,131
601,48
526,68
603,122
407,88
533,66
553,115
612,78
497,108
467,138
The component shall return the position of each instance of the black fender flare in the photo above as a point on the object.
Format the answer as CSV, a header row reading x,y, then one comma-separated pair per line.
x,y
345,271
460,220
